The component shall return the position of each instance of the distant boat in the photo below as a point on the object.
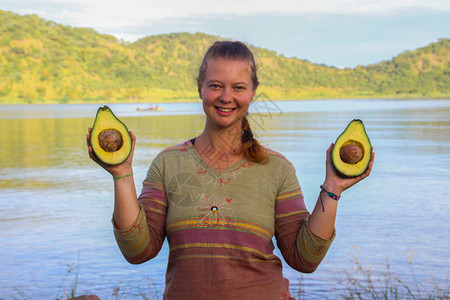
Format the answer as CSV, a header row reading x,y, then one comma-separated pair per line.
x,y
150,108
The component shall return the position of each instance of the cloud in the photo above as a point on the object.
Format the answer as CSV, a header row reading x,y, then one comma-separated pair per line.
x,y
103,14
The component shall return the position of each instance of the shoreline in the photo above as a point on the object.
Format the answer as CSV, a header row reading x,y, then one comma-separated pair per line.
x,y
163,101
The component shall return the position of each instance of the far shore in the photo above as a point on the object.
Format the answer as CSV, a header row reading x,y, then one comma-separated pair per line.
x,y
190,100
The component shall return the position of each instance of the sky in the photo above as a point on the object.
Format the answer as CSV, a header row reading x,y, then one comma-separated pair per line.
x,y
341,33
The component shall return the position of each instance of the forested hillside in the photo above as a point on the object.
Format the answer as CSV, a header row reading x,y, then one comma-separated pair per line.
x,y
45,62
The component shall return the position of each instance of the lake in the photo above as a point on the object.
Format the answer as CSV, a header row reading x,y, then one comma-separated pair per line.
x,y
56,204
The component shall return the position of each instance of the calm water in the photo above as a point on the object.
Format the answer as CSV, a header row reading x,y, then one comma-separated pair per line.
x,y
56,205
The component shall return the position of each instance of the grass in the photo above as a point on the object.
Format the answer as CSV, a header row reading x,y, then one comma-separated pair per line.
x,y
363,283
73,290
358,282
150,294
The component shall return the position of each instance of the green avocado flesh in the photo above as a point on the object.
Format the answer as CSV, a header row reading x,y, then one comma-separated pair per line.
x,y
352,150
110,139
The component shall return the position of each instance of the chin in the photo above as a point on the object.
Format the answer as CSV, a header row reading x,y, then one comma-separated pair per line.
x,y
222,124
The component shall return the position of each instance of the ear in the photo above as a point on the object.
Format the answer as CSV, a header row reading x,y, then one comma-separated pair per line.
x,y
253,95
199,93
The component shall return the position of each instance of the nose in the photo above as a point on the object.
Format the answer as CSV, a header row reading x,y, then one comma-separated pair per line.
x,y
226,96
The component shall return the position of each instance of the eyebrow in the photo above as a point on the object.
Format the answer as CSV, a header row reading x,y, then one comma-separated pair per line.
x,y
215,80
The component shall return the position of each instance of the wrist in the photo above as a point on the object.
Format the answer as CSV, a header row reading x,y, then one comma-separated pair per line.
x,y
330,194
123,174
332,188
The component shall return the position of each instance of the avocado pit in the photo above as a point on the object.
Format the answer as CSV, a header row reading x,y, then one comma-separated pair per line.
x,y
351,152
110,140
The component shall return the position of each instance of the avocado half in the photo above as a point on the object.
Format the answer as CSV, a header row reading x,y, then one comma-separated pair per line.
x,y
352,150
110,138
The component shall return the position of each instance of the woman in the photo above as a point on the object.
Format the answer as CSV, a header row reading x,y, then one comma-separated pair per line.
x,y
221,197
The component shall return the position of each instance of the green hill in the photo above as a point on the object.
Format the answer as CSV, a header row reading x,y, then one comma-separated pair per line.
x,y
45,62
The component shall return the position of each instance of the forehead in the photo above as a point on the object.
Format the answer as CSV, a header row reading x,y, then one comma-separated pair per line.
x,y
217,68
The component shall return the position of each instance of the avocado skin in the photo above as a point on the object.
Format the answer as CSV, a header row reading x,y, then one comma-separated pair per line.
x,y
106,120
355,131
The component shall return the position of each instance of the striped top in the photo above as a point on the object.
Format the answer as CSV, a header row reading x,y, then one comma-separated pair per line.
x,y
220,226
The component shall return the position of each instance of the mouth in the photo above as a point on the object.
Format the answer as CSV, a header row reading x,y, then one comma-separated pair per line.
x,y
225,110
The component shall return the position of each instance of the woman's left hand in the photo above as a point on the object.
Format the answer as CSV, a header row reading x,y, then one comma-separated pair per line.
x,y
336,184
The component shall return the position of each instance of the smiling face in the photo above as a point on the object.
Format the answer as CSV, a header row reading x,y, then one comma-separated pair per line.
x,y
226,91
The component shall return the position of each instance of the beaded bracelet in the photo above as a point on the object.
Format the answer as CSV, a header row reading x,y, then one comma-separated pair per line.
x,y
123,176
331,195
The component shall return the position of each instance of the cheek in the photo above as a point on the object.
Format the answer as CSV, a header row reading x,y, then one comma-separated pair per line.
x,y
206,95
207,102
245,100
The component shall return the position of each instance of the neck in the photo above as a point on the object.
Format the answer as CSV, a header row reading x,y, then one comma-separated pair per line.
x,y
226,140
219,147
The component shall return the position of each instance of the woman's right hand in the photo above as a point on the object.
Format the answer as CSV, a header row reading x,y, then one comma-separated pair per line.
x,y
115,170
335,183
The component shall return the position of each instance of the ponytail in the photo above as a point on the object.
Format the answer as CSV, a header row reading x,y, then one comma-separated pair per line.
x,y
251,148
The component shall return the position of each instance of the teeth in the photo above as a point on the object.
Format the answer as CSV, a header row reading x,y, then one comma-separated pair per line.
x,y
225,109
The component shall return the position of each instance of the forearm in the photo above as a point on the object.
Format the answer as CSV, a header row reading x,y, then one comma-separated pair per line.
x,y
322,219
126,207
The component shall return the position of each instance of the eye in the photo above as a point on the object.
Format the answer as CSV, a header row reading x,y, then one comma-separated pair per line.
x,y
240,88
214,86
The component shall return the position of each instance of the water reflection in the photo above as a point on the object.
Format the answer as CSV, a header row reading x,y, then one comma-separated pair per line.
x,y
56,202
31,143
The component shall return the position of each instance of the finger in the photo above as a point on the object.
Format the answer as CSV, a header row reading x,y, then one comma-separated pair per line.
x,y
372,159
330,148
133,144
329,152
133,140
88,136
91,153
95,158
369,168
